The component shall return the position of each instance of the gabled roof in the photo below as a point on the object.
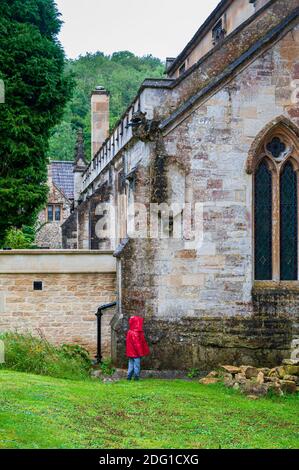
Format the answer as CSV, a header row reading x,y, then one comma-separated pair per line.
x,y
63,177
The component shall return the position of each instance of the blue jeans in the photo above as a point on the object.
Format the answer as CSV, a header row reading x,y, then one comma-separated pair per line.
x,y
134,367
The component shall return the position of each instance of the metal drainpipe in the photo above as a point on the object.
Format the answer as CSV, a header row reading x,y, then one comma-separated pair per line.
x,y
99,315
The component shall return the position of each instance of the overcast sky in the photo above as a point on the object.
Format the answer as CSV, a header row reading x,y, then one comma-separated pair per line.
x,y
158,27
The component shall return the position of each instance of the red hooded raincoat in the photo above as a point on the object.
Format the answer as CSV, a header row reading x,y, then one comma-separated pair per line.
x,y
136,343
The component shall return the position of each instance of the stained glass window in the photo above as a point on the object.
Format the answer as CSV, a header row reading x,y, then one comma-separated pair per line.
x,y
263,222
288,224
276,147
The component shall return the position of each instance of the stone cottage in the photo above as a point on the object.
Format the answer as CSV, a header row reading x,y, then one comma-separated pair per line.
x,y
196,191
62,179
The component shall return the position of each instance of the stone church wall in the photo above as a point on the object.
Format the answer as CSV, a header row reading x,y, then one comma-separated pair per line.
x,y
199,299
200,302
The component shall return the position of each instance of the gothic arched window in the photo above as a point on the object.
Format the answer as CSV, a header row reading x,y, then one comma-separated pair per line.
x,y
276,207
288,223
263,222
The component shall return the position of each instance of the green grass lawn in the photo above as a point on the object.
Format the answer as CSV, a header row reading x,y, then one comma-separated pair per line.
x,y
42,412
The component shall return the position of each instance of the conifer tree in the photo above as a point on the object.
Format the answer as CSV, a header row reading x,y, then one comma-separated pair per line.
x,y
36,91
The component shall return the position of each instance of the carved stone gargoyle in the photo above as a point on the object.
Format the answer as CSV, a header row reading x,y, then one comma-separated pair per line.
x,y
143,128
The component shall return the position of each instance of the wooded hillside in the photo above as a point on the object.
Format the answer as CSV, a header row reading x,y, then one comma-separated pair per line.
x,y
121,74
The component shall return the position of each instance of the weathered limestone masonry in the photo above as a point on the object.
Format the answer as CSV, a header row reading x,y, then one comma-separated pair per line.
x,y
74,285
200,142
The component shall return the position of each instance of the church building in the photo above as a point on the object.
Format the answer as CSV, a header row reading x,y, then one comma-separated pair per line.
x,y
196,192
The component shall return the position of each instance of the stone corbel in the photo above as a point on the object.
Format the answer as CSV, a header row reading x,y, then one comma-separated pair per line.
x,y
142,128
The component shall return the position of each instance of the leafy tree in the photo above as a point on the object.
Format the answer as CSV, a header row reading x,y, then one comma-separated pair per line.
x,y
121,74
36,91
62,141
18,239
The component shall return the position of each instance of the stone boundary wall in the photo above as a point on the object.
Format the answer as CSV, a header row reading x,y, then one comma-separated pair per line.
x,y
74,284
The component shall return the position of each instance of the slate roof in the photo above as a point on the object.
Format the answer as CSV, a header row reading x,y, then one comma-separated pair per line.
x,y
63,177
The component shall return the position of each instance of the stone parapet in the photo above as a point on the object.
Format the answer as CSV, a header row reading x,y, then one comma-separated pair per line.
x,y
56,261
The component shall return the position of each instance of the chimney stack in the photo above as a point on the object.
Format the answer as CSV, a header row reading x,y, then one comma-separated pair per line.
x,y
99,118
79,166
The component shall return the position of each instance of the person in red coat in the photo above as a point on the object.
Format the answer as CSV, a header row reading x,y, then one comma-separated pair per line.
x,y
136,347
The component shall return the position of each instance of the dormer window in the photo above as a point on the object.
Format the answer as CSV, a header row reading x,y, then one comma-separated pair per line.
x,y
218,32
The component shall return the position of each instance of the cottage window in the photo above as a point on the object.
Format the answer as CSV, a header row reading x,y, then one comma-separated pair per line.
x,y
54,213
50,213
57,213
276,210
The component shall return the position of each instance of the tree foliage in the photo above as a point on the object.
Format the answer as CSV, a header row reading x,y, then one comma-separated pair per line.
x,y
36,90
19,239
121,74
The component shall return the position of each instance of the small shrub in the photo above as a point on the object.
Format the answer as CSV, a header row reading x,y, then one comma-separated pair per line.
x,y
71,351
193,373
26,353
107,367
19,239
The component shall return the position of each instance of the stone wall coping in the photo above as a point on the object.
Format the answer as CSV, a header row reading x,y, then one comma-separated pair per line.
x,y
55,252
56,262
